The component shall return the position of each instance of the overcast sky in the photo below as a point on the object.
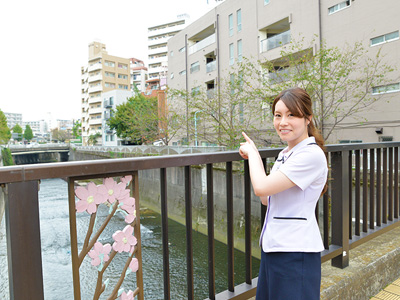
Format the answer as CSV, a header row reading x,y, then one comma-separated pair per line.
x,y
45,42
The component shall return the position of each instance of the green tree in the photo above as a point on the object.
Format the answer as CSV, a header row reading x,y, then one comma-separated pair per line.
x,y
7,157
28,134
5,133
18,129
77,129
136,120
92,139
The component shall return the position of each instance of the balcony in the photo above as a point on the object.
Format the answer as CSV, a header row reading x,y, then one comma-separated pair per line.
x,y
211,66
95,121
98,77
95,111
158,50
158,41
95,67
95,89
94,100
157,60
275,41
202,44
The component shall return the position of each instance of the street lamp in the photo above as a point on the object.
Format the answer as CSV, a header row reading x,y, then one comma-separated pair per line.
x,y
195,127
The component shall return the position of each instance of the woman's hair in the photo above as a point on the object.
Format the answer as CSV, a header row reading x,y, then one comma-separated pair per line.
x,y
299,104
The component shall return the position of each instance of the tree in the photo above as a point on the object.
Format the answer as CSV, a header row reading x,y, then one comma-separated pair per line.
x,y
339,80
92,139
60,135
18,129
136,120
28,134
5,133
77,129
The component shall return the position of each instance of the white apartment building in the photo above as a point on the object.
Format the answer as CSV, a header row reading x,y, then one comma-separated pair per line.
x,y
158,37
110,101
206,51
139,74
103,73
39,128
13,119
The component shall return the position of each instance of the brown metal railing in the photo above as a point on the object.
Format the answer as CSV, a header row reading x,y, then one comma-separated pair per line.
x,y
363,198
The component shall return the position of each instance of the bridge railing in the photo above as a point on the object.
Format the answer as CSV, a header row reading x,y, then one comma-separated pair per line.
x,y
362,202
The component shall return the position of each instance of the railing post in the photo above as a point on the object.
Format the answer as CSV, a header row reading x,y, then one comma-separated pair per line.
x,y
340,205
23,241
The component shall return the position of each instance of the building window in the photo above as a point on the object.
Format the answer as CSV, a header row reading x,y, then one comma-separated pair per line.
x,y
182,72
383,89
122,86
337,7
239,20
123,66
108,63
183,49
195,67
172,75
230,20
386,138
122,76
172,53
111,100
110,74
385,38
109,85
231,53
266,2
239,50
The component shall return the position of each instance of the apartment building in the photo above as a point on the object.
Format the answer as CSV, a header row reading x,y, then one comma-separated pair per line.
x,y
138,74
13,119
103,73
158,37
206,51
111,100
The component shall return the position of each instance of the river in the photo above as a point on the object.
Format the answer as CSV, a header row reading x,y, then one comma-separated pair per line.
x,y
56,257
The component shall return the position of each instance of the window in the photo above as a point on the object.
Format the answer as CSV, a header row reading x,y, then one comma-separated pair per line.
x,y
230,20
108,63
172,53
111,100
239,20
383,89
172,75
182,72
231,53
122,86
109,74
183,49
122,76
337,7
386,138
266,2
109,85
239,50
195,67
385,38
123,66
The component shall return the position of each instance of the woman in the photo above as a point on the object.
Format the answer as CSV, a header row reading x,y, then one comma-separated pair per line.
x,y
291,243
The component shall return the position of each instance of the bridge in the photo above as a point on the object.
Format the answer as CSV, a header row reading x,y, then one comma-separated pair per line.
x,y
351,215
39,153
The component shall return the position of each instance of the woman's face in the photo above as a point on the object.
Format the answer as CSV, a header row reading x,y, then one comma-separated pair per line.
x,y
290,129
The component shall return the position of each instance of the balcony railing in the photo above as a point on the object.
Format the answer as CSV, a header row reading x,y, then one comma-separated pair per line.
x,y
202,44
349,214
211,66
275,41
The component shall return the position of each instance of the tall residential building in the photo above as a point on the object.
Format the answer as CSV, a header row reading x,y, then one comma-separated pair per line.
x,y
13,119
158,37
259,29
103,73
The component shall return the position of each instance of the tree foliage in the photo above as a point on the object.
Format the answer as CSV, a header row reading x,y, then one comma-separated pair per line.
x,y
92,139
7,157
28,134
60,135
77,129
136,120
18,129
5,133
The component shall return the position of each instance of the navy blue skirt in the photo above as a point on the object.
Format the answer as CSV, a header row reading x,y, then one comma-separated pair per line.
x,y
289,276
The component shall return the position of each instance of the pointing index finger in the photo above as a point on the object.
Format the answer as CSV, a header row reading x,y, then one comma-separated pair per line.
x,y
246,137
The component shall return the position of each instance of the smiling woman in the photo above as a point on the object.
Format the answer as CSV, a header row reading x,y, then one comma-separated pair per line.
x,y
291,242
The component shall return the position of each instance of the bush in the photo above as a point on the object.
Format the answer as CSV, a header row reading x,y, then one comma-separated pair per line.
x,y
7,157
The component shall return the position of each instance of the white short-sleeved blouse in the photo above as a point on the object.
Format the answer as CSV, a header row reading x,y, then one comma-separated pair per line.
x,y
290,224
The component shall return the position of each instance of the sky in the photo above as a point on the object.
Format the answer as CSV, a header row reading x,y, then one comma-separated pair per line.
x,y
44,43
